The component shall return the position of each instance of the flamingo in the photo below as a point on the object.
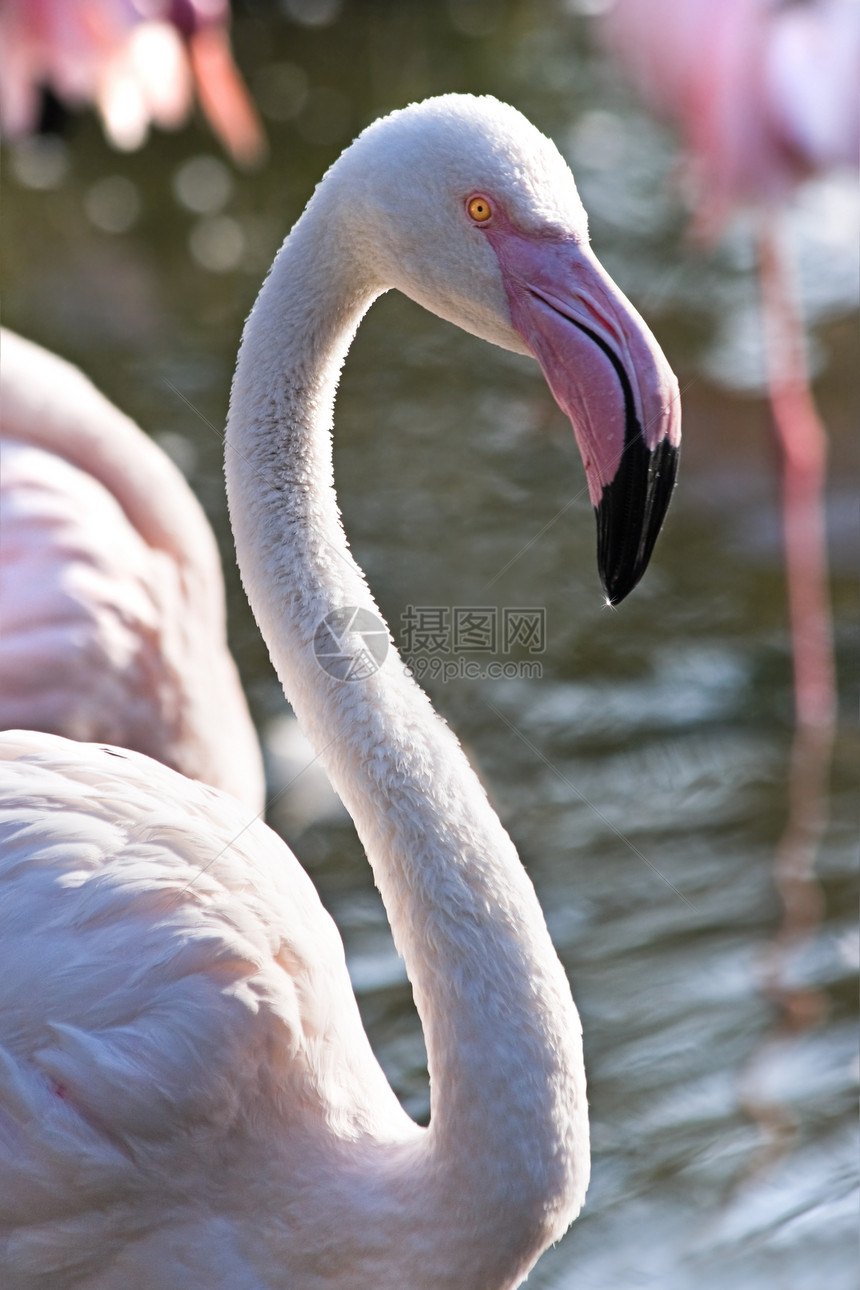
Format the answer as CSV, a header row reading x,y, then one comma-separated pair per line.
x,y
766,96
113,618
138,63
187,1095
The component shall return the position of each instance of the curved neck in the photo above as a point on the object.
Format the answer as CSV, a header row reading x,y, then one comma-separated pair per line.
x,y
502,1034
50,404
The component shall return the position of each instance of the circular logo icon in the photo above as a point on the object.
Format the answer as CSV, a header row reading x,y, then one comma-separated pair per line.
x,y
351,643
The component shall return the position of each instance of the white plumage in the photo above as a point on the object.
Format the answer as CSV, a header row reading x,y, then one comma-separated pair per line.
x,y
187,1097
172,975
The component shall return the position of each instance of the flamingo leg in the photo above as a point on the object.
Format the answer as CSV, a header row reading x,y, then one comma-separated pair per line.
x,y
802,442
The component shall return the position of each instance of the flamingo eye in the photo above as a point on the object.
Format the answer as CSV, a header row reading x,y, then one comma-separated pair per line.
x,y
479,209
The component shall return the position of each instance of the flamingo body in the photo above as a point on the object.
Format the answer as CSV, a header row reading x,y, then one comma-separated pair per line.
x,y
172,1095
765,94
187,1096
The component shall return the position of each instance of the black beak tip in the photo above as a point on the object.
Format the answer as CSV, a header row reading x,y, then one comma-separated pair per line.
x,y
631,512
619,586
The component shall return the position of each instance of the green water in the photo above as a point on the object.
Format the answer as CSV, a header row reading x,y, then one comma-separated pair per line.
x,y
642,773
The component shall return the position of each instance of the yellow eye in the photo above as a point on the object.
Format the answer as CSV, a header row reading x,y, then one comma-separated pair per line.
x,y
479,209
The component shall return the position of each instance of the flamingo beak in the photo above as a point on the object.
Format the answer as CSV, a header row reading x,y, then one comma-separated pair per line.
x,y
609,375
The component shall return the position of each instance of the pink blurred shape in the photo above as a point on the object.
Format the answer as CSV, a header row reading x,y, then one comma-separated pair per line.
x,y
139,62
765,94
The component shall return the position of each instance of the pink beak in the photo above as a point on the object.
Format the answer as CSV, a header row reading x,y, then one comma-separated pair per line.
x,y
609,375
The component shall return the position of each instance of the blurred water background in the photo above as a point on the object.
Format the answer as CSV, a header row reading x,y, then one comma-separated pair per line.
x,y
643,773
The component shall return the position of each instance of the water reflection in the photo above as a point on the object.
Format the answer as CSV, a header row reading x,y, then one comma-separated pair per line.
x,y
645,777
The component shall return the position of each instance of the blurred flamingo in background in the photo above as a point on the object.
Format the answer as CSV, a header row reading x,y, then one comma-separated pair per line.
x,y
138,61
113,626
766,95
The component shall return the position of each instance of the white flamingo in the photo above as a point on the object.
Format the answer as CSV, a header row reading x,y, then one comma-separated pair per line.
x,y
187,1096
113,620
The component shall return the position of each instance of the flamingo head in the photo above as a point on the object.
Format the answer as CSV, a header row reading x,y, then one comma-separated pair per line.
x,y
466,207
